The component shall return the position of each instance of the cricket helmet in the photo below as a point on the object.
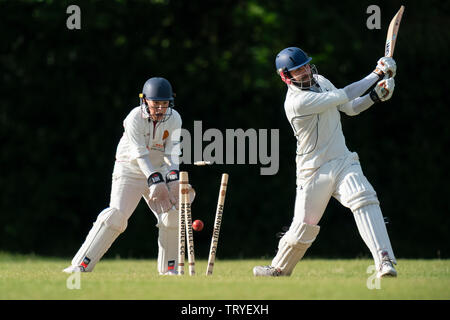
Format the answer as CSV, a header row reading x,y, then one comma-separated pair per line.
x,y
290,59
157,89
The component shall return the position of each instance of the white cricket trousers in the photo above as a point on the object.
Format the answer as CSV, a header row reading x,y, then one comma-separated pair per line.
x,y
125,195
126,192
343,179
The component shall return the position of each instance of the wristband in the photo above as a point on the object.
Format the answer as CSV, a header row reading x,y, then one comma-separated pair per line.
x,y
172,175
373,95
155,178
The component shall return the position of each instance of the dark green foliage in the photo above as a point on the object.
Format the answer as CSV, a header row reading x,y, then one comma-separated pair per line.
x,y
64,95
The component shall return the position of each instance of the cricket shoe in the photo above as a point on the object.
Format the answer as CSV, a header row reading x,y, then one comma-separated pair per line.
x,y
266,271
73,269
386,269
170,273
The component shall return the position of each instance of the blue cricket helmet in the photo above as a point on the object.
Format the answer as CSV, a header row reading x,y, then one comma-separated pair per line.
x,y
158,89
290,59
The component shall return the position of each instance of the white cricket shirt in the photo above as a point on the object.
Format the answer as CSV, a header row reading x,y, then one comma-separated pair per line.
x,y
142,137
315,119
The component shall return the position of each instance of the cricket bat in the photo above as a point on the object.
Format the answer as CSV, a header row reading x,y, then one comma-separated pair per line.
x,y
392,33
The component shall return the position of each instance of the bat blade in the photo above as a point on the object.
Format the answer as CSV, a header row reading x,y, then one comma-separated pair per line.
x,y
392,33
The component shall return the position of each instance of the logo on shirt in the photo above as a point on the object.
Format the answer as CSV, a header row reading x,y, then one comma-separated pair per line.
x,y
158,147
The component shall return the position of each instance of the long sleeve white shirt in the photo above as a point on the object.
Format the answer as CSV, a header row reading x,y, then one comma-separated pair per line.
x,y
315,119
159,141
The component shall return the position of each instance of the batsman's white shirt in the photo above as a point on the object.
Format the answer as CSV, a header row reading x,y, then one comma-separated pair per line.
x,y
315,119
142,137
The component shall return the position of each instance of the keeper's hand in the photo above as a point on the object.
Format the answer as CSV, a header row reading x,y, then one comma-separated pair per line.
x,y
383,90
386,68
173,184
159,194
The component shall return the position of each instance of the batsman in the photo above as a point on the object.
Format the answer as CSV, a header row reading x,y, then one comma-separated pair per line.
x,y
325,166
146,166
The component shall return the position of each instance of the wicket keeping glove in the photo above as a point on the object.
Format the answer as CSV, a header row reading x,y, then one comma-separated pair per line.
x,y
159,194
172,180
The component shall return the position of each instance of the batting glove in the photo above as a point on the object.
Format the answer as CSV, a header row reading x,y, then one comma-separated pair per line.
x,y
386,68
383,90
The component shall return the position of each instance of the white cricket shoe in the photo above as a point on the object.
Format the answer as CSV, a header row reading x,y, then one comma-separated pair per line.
x,y
170,273
386,269
266,271
72,269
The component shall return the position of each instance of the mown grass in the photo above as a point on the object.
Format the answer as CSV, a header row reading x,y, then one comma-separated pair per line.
x,y
32,277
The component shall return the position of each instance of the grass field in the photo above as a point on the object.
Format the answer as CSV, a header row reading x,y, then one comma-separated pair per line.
x,y
31,277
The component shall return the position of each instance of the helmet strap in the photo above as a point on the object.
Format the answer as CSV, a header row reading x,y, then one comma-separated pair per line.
x,y
147,107
144,106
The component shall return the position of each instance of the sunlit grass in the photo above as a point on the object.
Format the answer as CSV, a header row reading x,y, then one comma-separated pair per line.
x,y
31,277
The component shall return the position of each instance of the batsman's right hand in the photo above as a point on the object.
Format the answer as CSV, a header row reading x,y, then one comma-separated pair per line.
x,y
383,90
159,200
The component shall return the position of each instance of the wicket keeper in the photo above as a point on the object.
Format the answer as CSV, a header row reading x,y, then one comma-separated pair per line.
x,y
146,166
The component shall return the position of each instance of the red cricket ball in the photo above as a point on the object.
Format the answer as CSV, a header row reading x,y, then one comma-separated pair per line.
x,y
197,225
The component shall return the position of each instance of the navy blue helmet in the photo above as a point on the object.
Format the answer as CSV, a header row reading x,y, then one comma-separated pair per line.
x,y
157,89
290,59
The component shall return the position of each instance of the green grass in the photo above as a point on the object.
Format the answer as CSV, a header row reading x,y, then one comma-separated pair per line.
x,y
32,277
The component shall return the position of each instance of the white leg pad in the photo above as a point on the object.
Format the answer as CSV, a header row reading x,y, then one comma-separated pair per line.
x,y
168,242
109,224
372,229
293,245
354,190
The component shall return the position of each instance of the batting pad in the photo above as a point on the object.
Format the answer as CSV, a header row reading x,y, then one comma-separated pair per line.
x,y
293,245
109,224
354,190
168,242
372,229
